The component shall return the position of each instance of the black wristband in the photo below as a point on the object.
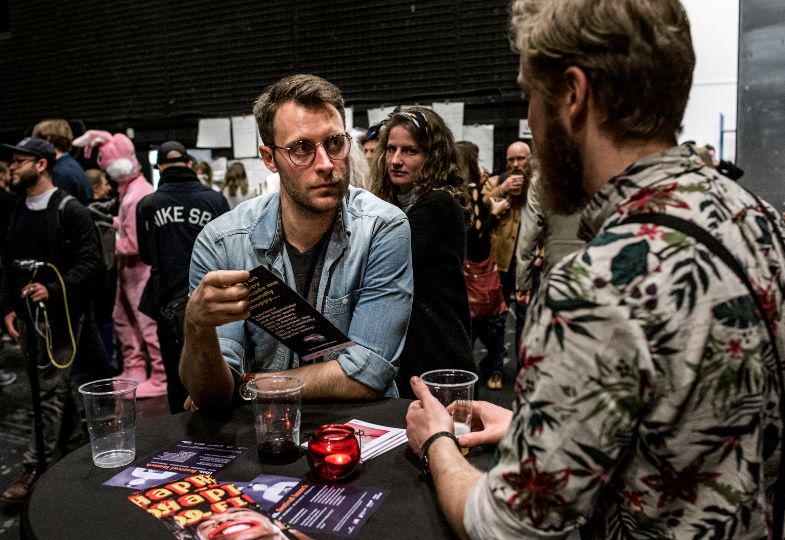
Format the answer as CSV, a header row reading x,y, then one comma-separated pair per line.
x,y
427,445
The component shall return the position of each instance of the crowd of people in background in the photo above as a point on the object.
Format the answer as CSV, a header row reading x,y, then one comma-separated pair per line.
x,y
464,222
415,252
131,323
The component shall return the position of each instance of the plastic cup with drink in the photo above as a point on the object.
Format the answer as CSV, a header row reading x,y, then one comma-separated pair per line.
x,y
454,388
277,409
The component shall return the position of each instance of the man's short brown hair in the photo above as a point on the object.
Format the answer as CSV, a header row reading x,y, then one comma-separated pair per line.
x,y
636,54
57,132
305,90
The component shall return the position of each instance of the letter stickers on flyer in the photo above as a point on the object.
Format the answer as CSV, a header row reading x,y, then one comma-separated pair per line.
x,y
199,507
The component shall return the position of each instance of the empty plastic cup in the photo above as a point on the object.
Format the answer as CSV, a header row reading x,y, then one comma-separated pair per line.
x,y
110,408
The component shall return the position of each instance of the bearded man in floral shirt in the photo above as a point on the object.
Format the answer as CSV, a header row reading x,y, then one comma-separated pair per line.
x,y
648,403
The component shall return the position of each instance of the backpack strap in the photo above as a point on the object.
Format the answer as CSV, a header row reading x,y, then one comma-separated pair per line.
x,y
61,209
715,246
63,202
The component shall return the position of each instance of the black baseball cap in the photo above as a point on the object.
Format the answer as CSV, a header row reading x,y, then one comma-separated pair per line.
x,y
34,147
168,147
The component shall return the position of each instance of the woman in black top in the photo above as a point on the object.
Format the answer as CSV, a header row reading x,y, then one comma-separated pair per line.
x,y
415,167
490,330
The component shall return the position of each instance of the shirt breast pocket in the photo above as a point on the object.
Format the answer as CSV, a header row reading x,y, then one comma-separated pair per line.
x,y
339,310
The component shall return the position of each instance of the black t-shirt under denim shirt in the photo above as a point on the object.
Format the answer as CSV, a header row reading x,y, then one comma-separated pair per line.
x,y
307,265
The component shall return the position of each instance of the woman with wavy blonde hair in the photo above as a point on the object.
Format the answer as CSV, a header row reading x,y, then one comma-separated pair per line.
x,y
416,168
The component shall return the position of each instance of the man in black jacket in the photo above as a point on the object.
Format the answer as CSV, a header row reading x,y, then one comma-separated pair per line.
x,y
168,222
50,260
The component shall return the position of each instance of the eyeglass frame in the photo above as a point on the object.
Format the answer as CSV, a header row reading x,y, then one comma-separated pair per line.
x,y
315,146
17,162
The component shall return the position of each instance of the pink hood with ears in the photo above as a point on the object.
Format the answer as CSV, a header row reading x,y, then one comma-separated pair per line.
x,y
116,153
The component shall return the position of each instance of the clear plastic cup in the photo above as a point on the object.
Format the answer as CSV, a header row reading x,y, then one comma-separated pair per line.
x,y
110,408
454,388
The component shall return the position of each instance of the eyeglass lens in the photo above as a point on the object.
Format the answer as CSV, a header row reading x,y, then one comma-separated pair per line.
x,y
303,152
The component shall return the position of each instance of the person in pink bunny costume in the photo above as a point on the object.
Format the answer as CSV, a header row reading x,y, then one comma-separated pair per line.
x,y
135,330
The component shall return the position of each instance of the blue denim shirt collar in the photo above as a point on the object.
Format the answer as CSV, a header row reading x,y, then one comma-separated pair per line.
x,y
266,233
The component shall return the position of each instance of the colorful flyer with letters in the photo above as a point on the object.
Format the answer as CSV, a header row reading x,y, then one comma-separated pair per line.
x,y
198,507
290,319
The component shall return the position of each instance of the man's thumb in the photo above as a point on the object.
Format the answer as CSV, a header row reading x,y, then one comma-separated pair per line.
x,y
472,439
419,388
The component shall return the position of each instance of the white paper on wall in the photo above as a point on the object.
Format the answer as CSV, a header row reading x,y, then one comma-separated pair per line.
x,y
244,136
482,136
349,113
214,133
378,114
524,131
219,170
452,114
200,154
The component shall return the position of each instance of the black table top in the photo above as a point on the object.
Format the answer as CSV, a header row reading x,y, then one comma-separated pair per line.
x,y
70,500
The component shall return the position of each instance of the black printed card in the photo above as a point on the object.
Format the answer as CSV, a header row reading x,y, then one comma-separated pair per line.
x,y
290,319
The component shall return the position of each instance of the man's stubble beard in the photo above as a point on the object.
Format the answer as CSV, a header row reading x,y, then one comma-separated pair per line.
x,y
27,179
558,160
298,194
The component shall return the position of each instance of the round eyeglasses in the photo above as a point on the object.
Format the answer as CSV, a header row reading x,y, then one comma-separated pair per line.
x,y
303,152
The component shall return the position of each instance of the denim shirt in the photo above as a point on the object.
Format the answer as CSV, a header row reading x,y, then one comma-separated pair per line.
x,y
365,288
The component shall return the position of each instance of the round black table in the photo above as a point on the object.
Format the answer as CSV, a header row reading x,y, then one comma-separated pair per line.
x,y
70,500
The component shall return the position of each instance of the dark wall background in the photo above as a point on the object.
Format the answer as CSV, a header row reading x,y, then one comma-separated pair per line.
x,y
761,110
158,66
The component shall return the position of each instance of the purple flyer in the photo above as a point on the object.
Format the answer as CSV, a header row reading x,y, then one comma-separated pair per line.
x,y
334,509
268,490
175,462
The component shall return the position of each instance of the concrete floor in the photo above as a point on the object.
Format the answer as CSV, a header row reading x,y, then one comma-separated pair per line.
x,y
16,418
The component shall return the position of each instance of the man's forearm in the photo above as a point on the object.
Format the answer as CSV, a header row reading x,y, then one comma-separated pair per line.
x,y
203,370
454,478
326,380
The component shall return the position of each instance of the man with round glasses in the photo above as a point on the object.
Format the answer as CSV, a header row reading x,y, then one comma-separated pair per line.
x,y
344,250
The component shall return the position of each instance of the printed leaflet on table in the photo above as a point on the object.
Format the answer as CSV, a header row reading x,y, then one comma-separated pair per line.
x,y
197,507
177,461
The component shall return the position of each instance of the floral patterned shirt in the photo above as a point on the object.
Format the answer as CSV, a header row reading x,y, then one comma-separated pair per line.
x,y
646,406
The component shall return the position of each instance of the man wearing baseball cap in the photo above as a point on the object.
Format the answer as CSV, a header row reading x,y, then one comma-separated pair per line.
x,y
167,224
50,258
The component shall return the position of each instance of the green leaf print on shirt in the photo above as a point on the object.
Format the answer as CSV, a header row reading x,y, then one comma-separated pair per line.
x,y
630,263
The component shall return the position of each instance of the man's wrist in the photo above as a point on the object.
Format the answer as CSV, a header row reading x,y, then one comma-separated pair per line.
x,y
424,460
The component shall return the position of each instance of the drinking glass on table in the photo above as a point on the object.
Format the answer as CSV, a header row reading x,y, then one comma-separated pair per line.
x,y
110,409
454,388
277,407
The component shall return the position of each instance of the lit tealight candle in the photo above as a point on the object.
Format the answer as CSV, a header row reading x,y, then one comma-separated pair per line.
x,y
338,459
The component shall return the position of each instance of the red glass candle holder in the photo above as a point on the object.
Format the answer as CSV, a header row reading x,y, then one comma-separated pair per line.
x,y
333,451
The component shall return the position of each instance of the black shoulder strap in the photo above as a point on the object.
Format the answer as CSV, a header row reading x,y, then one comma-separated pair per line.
x,y
704,237
701,235
63,202
61,209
